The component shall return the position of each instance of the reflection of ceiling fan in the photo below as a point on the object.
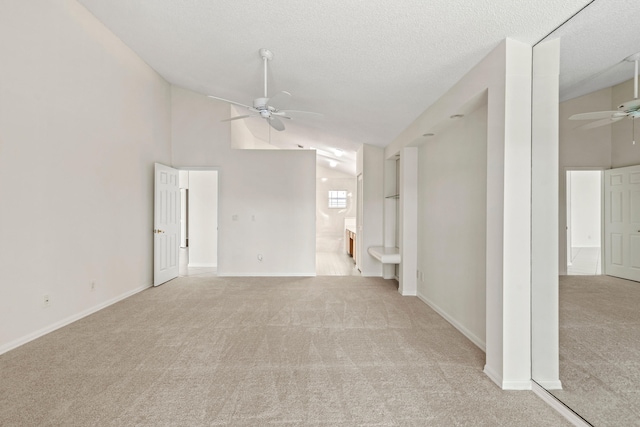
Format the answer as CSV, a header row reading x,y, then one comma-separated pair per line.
x,y
627,109
269,109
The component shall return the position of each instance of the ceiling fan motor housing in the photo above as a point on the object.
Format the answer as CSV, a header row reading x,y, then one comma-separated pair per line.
x,y
260,103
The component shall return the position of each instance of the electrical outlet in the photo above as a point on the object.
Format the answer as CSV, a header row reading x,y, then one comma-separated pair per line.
x,y
93,285
46,300
260,257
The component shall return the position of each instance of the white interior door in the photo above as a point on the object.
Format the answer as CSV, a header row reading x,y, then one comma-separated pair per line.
x,y
166,224
622,222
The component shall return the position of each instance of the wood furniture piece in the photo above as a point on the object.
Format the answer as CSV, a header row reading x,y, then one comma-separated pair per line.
x,y
350,242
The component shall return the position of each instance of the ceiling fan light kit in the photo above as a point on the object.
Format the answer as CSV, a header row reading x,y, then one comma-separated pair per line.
x,y
265,107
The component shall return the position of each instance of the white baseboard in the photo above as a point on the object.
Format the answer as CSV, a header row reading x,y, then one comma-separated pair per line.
x,y
550,400
190,265
64,322
506,385
493,376
516,385
550,385
467,333
266,275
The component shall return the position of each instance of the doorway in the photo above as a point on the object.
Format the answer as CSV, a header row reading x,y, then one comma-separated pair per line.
x,y
335,223
584,222
199,222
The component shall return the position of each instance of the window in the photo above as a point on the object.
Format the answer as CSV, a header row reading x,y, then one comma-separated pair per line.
x,y
337,198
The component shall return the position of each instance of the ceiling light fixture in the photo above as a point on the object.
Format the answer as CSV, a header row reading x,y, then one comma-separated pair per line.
x,y
333,163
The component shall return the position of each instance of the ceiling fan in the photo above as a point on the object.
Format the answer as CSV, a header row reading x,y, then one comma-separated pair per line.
x,y
270,109
628,109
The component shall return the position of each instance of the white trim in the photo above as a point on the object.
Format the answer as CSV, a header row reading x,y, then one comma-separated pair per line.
x,y
202,265
262,274
550,400
467,333
550,385
493,376
64,322
517,385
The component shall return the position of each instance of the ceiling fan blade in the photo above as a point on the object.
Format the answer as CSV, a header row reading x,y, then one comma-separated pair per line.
x,y
297,113
230,102
276,123
236,118
594,115
279,100
599,123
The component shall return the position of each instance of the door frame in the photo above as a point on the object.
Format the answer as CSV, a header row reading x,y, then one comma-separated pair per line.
x,y
564,217
219,171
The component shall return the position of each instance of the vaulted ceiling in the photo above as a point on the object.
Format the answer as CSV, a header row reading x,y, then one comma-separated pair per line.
x,y
370,67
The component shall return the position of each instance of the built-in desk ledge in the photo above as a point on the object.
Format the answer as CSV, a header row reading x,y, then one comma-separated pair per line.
x,y
385,255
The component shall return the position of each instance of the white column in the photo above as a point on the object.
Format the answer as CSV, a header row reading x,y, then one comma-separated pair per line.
x,y
508,360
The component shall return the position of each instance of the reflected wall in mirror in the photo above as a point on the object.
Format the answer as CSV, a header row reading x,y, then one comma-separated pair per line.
x,y
599,319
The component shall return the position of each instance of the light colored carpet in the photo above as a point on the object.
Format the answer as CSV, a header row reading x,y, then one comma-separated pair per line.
x,y
600,349
334,351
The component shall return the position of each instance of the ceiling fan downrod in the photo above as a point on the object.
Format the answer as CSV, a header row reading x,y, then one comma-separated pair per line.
x,y
635,96
267,56
635,58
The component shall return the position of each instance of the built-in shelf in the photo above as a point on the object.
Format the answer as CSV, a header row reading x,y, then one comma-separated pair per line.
x,y
385,255
394,196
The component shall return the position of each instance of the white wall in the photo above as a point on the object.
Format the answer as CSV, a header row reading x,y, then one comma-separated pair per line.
x,y
266,197
585,194
82,120
408,221
329,221
505,77
203,218
369,164
452,217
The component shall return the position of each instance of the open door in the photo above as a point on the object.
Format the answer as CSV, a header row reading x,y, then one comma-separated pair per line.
x,y
166,224
622,222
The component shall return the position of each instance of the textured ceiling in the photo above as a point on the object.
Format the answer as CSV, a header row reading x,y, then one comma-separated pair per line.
x,y
594,44
371,67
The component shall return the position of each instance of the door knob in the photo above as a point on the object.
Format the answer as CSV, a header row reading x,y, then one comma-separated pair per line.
x,y
158,231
